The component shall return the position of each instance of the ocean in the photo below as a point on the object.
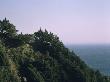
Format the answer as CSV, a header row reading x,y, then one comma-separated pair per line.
x,y
95,56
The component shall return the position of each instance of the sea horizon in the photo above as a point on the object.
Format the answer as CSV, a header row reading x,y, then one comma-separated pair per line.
x,y
96,56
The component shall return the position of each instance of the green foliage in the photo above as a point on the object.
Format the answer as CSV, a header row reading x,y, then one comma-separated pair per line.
x,y
7,33
26,38
40,57
7,29
45,41
8,72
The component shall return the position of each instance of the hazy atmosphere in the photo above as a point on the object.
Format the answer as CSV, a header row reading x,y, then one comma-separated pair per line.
x,y
74,21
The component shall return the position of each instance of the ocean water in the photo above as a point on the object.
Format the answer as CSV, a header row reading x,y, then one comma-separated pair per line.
x,y
95,56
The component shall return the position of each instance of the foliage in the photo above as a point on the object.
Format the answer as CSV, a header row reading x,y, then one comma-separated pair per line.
x,y
40,57
26,38
7,29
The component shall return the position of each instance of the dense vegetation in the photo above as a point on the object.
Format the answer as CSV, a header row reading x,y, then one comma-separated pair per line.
x,y
40,57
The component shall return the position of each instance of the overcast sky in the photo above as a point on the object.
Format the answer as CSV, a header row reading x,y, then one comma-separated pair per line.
x,y
74,21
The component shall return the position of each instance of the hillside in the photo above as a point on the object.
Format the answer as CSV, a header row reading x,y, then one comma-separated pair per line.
x,y
40,57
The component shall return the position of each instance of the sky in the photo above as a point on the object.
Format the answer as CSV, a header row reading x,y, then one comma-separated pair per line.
x,y
74,21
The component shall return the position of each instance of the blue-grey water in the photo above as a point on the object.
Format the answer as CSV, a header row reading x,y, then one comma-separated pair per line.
x,y
96,56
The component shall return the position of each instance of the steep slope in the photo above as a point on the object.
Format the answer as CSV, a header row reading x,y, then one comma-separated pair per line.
x,y
41,57
26,65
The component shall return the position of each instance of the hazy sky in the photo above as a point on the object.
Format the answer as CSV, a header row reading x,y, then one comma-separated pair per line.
x,y
74,21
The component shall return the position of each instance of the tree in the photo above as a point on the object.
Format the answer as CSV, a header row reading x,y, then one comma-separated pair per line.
x,y
7,32
45,41
7,29
26,38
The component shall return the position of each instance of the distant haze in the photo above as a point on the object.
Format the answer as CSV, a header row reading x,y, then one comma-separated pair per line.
x,y
74,21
